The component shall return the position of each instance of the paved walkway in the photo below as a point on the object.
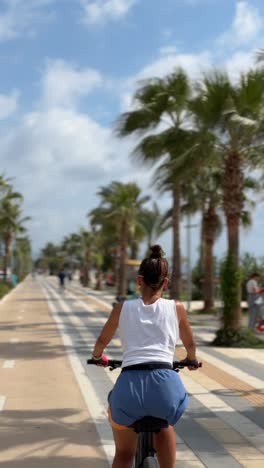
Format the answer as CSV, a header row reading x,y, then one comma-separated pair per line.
x,y
44,420
53,408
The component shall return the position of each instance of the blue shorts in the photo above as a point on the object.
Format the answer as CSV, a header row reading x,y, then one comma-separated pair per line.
x,y
139,393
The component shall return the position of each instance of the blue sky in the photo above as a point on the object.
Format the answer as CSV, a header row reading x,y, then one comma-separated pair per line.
x,y
69,67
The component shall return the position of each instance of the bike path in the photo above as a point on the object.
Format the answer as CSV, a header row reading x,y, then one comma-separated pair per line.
x,y
44,420
221,425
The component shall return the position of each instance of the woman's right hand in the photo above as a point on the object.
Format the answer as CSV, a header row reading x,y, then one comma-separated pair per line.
x,y
192,364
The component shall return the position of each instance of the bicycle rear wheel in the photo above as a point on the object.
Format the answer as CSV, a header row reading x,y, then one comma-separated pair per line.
x,y
145,451
150,462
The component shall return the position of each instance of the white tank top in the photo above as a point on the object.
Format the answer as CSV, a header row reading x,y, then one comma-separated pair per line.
x,y
148,332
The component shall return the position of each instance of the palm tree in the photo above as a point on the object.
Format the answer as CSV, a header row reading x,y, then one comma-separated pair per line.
x,y
11,222
121,205
233,115
22,257
162,103
152,224
203,195
71,246
86,249
50,258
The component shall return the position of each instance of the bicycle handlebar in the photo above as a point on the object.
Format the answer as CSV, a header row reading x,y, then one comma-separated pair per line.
x,y
114,364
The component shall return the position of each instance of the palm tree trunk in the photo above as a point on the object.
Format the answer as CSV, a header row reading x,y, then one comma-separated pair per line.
x,y
210,225
176,267
202,246
134,250
87,267
235,318
98,285
122,280
233,181
114,264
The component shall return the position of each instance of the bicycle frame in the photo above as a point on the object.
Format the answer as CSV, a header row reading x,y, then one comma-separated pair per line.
x,y
145,454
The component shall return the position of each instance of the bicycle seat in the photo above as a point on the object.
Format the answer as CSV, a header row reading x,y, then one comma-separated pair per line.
x,y
149,424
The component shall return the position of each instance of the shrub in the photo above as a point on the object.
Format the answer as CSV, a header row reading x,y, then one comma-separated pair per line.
x,y
5,287
241,338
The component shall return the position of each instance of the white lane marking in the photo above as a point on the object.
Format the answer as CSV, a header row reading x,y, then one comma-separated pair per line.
x,y
87,335
247,378
78,289
8,364
241,424
106,304
183,451
207,337
2,402
94,405
234,371
256,355
14,340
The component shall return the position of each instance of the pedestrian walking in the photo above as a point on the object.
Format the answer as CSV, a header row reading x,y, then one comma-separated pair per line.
x,y
61,276
253,290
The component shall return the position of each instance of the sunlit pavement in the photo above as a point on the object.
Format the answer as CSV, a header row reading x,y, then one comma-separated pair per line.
x,y
53,407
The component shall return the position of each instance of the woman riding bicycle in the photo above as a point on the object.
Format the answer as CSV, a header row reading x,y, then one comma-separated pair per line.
x,y
149,328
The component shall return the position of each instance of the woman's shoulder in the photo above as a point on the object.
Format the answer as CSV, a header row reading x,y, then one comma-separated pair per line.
x,y
131,303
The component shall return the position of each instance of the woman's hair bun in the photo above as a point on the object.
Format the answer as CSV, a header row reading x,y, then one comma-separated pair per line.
x,y
156,251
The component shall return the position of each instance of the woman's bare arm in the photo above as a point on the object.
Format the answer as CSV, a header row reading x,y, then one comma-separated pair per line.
x,y
186,332
108,331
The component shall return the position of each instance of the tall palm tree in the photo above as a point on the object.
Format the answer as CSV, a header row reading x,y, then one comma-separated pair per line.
x,y
233,115
71,245
204,195
161,103
152,224
11,222
121,205
86,243
22,257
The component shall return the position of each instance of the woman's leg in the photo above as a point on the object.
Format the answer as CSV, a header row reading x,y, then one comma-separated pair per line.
x,y
126,445
165,443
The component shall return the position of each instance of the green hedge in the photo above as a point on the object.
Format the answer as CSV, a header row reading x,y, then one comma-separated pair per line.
x,y
242,338
5,287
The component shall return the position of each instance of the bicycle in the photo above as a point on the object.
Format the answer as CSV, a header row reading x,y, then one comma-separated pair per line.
x,y
148,426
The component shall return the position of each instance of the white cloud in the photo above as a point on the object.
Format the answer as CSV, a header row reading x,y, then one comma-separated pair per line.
x,y
64,83
8,104
102,11
60,156
194,64
246,26
239,62
20,17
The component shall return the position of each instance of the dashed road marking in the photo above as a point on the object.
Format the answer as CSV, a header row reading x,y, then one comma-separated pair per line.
x,y
234,371
14,340
2,402
94,405
241,424
8,364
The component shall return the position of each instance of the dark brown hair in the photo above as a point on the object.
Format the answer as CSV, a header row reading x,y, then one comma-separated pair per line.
x,y
154,268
